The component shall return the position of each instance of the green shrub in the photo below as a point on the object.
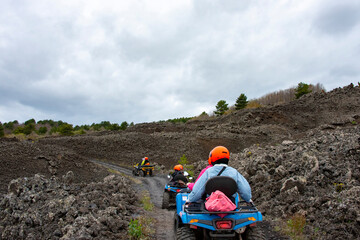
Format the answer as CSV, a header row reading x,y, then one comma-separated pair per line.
x,y
42,130
54,130
30,121
2,133
18,130
339,187
79,132
114,127
66,129
9,125
106,125
29,128
179,120
124,125
50,122
135,229
96,126
183,160
189,168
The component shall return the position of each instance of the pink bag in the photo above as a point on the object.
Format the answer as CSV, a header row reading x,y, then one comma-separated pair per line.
x,y
219,202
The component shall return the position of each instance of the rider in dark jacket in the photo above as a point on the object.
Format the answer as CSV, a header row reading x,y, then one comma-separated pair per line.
x,y
178,175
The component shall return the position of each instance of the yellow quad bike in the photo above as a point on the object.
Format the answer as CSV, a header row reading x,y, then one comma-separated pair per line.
x,y
143,170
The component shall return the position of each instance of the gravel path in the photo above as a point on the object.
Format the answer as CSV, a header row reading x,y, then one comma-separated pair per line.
x,y
155,186
164,218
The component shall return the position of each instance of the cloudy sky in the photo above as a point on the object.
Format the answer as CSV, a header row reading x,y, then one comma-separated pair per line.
x,y
86,61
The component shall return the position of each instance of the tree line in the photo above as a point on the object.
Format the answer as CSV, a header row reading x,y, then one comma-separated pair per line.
x,y
51,127
282,96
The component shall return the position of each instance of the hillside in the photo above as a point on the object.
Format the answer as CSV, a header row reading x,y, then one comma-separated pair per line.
x,y
166,142
300,158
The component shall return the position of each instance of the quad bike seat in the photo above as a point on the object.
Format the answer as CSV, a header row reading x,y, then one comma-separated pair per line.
x,y
225,184
178,181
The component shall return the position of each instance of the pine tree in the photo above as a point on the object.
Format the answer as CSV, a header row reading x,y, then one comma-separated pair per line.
x,y
221,108
302,89
241,102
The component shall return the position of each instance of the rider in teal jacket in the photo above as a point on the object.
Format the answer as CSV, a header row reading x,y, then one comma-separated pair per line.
x,y
219,158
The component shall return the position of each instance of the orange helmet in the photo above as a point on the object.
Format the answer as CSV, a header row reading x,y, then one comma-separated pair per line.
x,y
217,153
146,158
178,167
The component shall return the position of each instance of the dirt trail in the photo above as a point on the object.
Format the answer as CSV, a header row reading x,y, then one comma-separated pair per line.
x,y
155,186
164,218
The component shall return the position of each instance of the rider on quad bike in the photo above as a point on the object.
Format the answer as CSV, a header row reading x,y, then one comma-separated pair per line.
x,y
219,158
143,168
201,217
144,161
178,181
178,176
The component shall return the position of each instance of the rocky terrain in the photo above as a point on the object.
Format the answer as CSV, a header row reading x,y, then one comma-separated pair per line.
x,y
42,208
317,177
300,158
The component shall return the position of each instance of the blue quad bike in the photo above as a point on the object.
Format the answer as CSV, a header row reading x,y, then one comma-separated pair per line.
x,y
193,221
172,188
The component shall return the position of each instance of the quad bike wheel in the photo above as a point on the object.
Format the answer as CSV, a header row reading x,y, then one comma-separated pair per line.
x,y
165,201
142,173
182,232
252,233
150,173
185,233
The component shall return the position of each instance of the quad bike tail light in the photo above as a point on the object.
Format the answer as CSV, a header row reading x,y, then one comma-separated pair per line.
x,y
224,224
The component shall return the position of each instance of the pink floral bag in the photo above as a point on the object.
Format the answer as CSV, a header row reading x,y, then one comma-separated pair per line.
x,y
219,202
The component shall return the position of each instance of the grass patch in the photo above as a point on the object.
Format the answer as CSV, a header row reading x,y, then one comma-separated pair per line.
x,y
135,229
146,201
294,227
113,171
141,228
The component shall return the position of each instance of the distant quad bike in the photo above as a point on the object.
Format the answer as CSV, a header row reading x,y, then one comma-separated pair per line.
x,y
143,170
172,188
193,221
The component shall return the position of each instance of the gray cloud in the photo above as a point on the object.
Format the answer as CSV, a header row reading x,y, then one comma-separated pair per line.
x,y
140,62
339,18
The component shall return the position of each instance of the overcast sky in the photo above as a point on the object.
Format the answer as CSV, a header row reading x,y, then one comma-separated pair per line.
x,y
139,61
